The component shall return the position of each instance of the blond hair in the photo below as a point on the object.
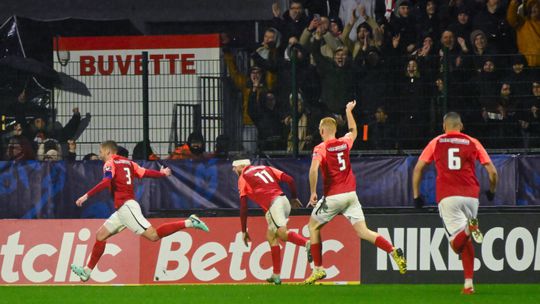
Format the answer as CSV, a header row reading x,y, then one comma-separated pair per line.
x,y
329,124
110,145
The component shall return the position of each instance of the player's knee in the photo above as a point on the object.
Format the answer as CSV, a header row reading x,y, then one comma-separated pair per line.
x,y
282,233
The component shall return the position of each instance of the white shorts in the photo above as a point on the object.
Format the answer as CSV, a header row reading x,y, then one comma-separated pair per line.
x,y
278,214
456,211
344,203
130,216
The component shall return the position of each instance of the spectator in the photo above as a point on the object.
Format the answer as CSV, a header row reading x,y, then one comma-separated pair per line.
x,y
480,49
413,106
246,85
519,77
486,85
292,22
222,146
12,129
402,24
372,81
462,26
90,156
323,7
492,21
428,23
348,6
306,128
41,129
19,148
266,56
382,132
336,79
49,149
364,17
123,152
139,153
71,154
264,111
455,52
529,121
194,148
320,27
23,107
368,34
527,29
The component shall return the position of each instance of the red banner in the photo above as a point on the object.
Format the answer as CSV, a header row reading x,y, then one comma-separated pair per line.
x,y
40,252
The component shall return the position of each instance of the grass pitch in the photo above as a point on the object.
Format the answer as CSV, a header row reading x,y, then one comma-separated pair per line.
x,y
258,294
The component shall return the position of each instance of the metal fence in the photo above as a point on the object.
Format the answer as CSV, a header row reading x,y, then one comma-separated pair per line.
x,y
401,103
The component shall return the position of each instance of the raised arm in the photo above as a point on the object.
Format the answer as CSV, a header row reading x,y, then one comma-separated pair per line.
x,y
512,16
351,123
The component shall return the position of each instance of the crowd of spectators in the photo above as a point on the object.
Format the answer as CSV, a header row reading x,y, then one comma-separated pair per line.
x,y
30,133
405,65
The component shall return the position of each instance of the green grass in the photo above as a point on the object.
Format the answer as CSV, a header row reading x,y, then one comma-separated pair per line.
x,y
258,294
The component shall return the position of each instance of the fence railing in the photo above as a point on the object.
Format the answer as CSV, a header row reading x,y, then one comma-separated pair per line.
x,y
401,101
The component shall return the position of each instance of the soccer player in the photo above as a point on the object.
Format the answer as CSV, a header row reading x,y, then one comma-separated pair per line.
x,y
332,156
118,176
457,188
261,185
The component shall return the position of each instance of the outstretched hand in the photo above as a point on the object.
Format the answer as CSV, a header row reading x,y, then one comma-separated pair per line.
x,y
350,105
166,171
81,200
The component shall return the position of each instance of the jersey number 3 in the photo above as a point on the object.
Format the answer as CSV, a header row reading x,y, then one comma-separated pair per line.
x,y
454,161
128,176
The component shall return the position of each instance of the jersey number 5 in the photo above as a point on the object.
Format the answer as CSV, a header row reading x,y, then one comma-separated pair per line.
x,y
454,161
341,161
128,176
266,178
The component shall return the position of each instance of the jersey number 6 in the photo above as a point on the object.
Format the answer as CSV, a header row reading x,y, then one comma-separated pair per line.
x,y
454,161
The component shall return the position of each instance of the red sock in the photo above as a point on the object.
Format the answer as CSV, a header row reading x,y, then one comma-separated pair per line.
x,y
316,253
97,252
296,238
459,241
467,258
382,243
170,228
276,259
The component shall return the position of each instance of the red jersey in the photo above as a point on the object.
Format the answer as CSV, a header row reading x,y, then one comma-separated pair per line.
x,y
336,168
260,184
455,155
122,172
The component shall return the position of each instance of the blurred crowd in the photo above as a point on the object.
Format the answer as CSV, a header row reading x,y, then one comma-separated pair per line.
x,y
406,63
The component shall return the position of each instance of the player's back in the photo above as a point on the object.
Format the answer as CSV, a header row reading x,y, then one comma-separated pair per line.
x,y
334,156
455,156
123,173
261,184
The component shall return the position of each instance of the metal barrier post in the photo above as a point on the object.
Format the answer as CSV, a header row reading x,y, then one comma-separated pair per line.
x,y
146,122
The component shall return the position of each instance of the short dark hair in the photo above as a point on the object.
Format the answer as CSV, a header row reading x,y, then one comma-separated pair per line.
x,y
295,1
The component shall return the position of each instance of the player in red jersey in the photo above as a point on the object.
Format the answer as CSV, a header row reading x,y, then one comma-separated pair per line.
x,y
332,156
261,185
118,175
457,188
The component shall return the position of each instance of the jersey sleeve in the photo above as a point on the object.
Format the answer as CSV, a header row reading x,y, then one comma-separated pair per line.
x,y
483,157
318,153
139,171
242,186
109,170
429,150
348,140
278,173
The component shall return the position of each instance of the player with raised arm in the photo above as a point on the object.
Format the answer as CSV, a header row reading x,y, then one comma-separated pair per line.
x,y
457,188
118,175
261,185
332,156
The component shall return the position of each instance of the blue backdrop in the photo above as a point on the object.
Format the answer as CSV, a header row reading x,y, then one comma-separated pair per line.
x,y
49,189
